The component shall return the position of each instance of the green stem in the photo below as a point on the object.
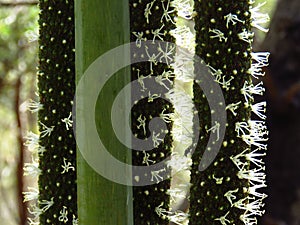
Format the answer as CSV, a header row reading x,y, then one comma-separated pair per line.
x,y
102,25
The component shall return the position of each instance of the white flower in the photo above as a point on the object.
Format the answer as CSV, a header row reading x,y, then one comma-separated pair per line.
x,y
166,12
177,217
32,141
156,33
253,156
167,53
256,70
46,131
161,212
259,109
249,156
74,221
248,218
218,74
223,219
160,80
230,195
139,38
151,59
218,34
255,140
63,215
252,132
67,166
68,121
156,139
34,106
142,123
146,159
141,80
233,19
30,195
246,36
32,168
147,11
253,207
46,204
262,58
225,84
219,180
32,222
215,129
252,190
41,150
35,211
167,117
155,174
259,18
184,8
253,175
249,90
152,97
242,128
232,107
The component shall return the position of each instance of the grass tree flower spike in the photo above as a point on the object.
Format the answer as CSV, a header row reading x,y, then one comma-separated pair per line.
x,y
223,41
54,147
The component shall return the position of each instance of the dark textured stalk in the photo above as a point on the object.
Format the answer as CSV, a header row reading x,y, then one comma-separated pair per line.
x,y
147,198
208,202
56,85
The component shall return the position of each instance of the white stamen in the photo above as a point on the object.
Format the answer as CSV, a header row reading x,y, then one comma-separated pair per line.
x,y
232,107
215,129
155,174
230,195
63,215
218,34
259,109
142,123
46,130
139,38
223,219
146,159
259,18
68,121
231,18
67,166
30,195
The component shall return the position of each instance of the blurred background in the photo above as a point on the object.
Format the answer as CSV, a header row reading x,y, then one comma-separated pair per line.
x,y
18,62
